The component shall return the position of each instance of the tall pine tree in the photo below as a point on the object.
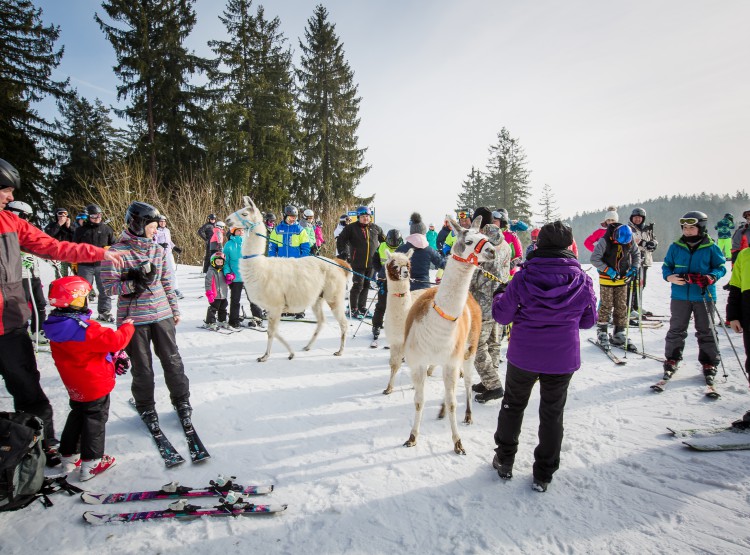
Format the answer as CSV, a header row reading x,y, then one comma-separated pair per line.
x,y
548,206
474,191
508,177
330,163
155,67
27,58
254,77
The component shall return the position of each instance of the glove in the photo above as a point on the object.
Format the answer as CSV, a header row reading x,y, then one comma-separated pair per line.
x,y
631,274
700,280
211,296
439,277
229,278
164,245
177,250
500,289
611,273
122,362
381,287
650,246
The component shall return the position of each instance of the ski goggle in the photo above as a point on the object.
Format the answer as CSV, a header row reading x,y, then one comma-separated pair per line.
x,y
688,221
62,213
463,214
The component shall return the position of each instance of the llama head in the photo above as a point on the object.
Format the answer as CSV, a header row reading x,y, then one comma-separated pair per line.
x,y
471,245
248,216
398,266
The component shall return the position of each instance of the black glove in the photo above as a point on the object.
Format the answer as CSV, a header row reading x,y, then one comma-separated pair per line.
x,y
177,250
500,289
164,245
141,276
651,246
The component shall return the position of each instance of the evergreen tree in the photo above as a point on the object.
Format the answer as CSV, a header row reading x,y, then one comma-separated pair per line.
x,y
475,192
508,177
88,141
155,68
547,206
330,164
27,58
256,111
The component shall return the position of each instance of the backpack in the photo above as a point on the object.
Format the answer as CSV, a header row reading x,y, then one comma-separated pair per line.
x,y
22,459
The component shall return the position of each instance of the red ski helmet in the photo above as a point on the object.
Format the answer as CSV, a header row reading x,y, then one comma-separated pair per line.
x,y
534,234
69,291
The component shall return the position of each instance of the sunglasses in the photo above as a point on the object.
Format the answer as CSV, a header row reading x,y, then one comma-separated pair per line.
x,y
688,221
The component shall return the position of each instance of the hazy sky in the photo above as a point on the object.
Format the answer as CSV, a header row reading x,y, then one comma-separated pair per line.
x,y
613,102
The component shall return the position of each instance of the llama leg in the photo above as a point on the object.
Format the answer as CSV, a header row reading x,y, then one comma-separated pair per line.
x,y
320,318
337,307
283,341
417,377
450,378
273,322
468,369
397,353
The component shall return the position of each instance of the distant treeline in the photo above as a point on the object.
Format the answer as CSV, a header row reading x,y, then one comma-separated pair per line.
x,y
665,212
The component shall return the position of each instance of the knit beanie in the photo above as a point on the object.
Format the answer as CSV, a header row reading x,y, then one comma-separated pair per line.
x,y
555,235
611,214
485,213
416,225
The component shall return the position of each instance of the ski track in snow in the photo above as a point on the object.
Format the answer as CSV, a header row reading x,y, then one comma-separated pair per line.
x,y
320,429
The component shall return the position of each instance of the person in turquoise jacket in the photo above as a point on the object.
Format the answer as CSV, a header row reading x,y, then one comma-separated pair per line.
x,y
692,265
288,239
724,228
233,256
432,237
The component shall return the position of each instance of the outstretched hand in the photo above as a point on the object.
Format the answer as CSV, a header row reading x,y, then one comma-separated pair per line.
x,y
114,257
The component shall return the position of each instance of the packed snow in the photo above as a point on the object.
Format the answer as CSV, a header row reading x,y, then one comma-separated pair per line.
x,y
320,429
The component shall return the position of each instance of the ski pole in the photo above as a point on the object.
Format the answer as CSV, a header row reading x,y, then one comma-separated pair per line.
x,y
713,330
742,366
363,317
36,314
627,328
639,292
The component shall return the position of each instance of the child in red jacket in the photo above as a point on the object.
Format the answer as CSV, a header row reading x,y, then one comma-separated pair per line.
x,y
87,355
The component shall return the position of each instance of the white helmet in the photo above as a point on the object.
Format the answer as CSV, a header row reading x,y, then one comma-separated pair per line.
x,y
308,213
20,208
220,224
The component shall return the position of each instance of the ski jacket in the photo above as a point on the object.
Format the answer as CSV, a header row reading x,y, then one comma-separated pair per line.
x,y
724,227
217,240
61,233
547,302
163,237
705,258
206,231
591,241
232,256
216,283
432,238
740,239
423,256
288,241
516,251
381,257
99,235
158,301
81,350
17,234
608,254
482,287
738,303
363,242
441,237
319,240
641,235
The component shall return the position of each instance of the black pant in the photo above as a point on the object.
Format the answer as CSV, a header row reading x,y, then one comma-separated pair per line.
x,y
162,335
236,289
207,257
220,306
377,317
18,369
39,315
84,429
360,288
554,392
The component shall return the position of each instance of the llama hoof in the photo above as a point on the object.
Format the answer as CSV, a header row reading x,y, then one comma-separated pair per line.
x,y
306,348
411,442
263,358
338,353
441,414
291,356
458,448
387,391
468,420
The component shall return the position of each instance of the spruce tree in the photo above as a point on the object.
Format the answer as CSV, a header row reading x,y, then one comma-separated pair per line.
x,y
508,177
27,58
474,192
548,206
155,67
330,163
256,111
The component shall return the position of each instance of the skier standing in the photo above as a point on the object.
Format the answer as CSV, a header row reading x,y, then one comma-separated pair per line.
x,y
61,229
432,236
741,237
724,228
164,238
95,232
206,232
644,237
217,292
233,256
392,241
288,239
738,314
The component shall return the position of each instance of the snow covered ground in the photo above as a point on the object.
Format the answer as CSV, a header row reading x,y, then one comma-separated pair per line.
x,y
320,429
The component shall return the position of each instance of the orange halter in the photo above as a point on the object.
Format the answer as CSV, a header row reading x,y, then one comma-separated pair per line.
x,y
472,258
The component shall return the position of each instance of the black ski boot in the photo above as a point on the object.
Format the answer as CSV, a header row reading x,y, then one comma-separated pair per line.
x,y
602,336
743,423
151,420
618,338
709,373
184,410
375,333
670,367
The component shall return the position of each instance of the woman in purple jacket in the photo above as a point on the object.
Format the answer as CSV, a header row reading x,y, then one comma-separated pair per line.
x,y
547,302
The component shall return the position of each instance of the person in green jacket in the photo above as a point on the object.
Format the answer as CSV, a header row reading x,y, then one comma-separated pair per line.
x,y
432,237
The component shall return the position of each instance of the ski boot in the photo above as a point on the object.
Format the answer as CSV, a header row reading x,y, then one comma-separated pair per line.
x,y
375,333
618,338
71,463
670,367
52,457
184,410
505,471
151,420
709,373
539,485
602,336
743,423
90,469
105,317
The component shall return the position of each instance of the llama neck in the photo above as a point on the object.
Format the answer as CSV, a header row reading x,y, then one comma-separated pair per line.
x,y
398,286
253,243
453,292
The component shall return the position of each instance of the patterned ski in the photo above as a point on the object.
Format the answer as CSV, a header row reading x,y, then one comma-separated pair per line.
x,y
614,358
186,513
166,449
173,491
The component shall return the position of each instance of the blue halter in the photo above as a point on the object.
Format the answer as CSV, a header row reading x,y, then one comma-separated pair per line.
x,y
250,226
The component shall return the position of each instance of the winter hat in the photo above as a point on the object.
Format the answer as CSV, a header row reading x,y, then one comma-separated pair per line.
x,y
493,234
611,214
555,235
485,213
416,225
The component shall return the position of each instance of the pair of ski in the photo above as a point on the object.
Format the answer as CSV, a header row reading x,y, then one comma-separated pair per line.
x,y
617,360
232,502
714,439
710,390
169,454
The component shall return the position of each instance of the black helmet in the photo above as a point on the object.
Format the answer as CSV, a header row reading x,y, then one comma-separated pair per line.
x,y
638,212
270,217
290,211
92,209
211,217
696,218
139,215
393,239
9,176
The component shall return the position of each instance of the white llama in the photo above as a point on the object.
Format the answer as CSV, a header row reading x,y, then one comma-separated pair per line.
x,y
443,328
289,284
398,303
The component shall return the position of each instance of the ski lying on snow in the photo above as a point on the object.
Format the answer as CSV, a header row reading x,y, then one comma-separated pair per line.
x,y
614,358
174,490
702,432
734,440
711,392
166,449
660,386
186,512
650,325
222,331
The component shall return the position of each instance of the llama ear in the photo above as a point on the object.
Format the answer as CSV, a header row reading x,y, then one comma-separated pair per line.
x,y
476,224
387,254
247,200
453,223
410,253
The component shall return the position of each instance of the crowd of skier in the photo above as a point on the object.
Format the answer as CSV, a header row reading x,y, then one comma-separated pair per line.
x,y
138,269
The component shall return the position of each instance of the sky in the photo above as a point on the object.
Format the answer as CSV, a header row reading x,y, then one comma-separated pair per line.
x,y
613,102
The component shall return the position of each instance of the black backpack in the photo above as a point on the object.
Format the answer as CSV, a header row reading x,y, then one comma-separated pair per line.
x,y
22,462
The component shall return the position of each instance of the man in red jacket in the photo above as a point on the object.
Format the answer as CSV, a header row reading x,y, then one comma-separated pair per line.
x,y
17,361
